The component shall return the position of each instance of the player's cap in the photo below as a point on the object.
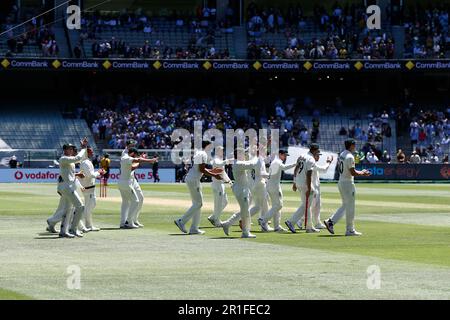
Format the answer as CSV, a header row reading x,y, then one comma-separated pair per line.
x,y
349,143
68,146
314,147
106,155
133,150
282,151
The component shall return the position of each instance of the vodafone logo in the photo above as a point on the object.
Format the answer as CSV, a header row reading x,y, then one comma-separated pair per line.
x,y
39,175
445,172
18,175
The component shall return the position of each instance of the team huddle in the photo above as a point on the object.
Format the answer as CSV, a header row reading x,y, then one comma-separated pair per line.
x,y
252,184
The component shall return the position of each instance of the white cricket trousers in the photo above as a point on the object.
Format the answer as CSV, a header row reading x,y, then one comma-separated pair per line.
x,y
259,195
242,195
140,195
74,209
305,208
195,189
132,200
220,199
276,197
316,204
347,191
60,212
90,202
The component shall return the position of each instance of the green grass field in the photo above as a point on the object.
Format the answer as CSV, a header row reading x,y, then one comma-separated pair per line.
x,y
406,235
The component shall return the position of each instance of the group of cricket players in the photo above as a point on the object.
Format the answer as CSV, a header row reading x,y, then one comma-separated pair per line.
x,y
254,184
74,214
254,187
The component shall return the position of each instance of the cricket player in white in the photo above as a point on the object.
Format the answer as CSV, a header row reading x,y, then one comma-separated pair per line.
x,y
136,186
218,188
275,192
193,178
303,180
88,183
346,185
67,188
132,197
241,190
316,201
258,189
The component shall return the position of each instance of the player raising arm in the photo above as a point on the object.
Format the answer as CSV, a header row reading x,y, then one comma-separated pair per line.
x,y
132,195
346,185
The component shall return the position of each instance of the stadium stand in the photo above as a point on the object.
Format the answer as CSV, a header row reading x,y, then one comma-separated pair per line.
x,y
43,129
141,37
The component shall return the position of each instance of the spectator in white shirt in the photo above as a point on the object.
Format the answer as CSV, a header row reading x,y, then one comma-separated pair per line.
x,y
371,157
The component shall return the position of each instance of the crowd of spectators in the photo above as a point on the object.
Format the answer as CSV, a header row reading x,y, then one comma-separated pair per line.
x,y
427,31
202,28
344,34
198,48
34,33
429,133
151,120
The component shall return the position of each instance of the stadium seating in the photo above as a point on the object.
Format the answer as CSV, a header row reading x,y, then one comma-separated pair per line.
x,y
41,130
330,140
164,31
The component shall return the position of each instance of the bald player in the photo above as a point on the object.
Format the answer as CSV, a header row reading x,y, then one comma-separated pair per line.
x,y
346,185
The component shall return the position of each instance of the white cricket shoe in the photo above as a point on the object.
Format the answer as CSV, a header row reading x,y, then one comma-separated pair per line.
x,y
198,231
76,233
66,235
140,225
290,226
264,225
180,225
353,233
248,235
226,228
320,225
85,230
267,229
131,226
51,227
312,230
93,229
214,222
281,229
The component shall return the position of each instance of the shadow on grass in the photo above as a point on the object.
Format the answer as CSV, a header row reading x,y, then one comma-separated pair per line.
x,y
110,229
48,238
330,235
221,238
